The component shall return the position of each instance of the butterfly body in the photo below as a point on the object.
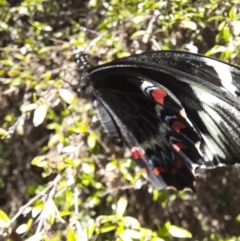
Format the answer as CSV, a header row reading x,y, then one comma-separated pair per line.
x,y
176,111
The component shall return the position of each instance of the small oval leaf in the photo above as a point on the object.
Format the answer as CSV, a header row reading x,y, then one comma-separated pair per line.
x,y
121,206
22,229
4,220
178,232
92,140
39,115
67,96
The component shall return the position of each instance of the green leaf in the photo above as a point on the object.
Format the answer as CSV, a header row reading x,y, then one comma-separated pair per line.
x,y
3,3
35,237
121,206
226,34
106,219
47,75
54,139
157,239
236,27
39,115
27,108
14,72
88,168
67,96
216,18
215,49
232,13
39,161
3,133
178,232
71,236
221,25
107,228
90,230
22,228
227,54
238,218
137,34
132,222
131,234
51,211
92,140
37,210
4,220
189,25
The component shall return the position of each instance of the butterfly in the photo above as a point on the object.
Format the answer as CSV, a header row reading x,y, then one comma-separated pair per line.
x,y
178,112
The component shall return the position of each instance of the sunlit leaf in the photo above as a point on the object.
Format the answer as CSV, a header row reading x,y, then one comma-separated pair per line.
x,y
132,222
88,168
3,133
90,230
107,228
71,236
189,24
215,49
30,107
14,72
92,140
134,234
4,220
232,13
137,34
67,96
215,18
22,229
178,232
39,115
39,161
36,237
236,27
121,206
36,211
226,34
54,139
47,75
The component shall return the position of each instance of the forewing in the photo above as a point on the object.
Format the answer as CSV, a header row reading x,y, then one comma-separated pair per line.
x,y
207,69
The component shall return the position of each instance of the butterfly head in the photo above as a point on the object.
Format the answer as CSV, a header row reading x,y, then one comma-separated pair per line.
x,y
84,88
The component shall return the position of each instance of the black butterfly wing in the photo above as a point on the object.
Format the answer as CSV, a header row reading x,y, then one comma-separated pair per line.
x,y
174,113
161,139
207,69
207,88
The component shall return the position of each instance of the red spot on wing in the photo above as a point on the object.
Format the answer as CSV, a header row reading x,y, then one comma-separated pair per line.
x,y
136,153
158,170
178,146
178,164
177,126
174,171
158,96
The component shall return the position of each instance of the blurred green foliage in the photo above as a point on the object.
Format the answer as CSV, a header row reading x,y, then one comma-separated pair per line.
x,y
83,190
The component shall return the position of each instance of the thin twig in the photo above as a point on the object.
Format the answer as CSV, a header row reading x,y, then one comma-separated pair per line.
x,y
76,195
50,197
21,209
149,29
110,190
